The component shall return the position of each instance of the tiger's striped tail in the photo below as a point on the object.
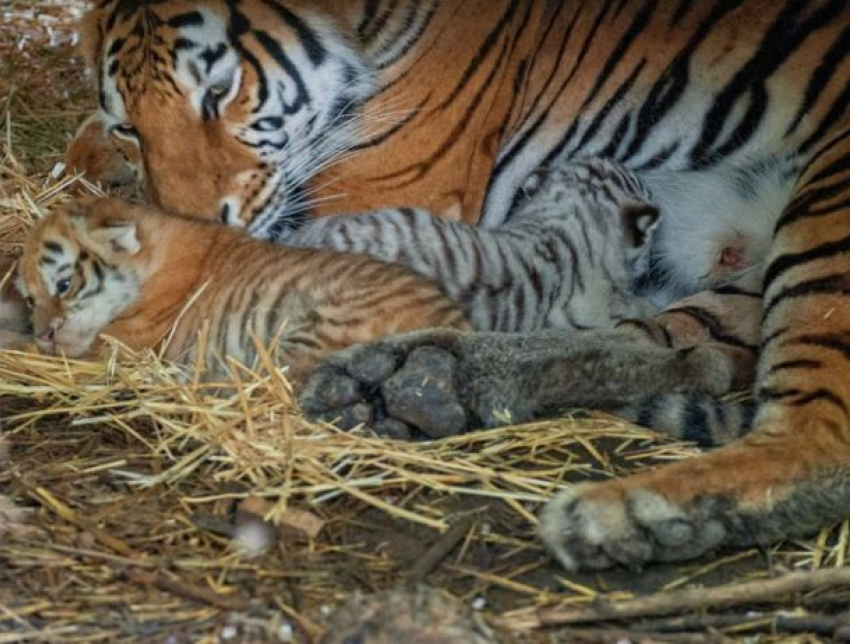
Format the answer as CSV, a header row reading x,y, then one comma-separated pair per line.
x,y
697,417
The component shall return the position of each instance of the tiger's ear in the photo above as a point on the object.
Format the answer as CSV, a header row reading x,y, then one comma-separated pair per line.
x,y
640,220
114,239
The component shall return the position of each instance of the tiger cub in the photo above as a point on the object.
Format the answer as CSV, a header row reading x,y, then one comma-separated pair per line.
x,y
568,258
152,280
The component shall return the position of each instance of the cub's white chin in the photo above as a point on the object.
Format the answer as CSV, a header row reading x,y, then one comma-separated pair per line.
x,y
73,348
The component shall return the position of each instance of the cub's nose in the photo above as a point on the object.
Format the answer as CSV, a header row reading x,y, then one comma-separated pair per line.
x,y
49,334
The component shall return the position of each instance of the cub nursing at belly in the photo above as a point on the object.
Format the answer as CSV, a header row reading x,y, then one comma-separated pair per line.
x,y
152,280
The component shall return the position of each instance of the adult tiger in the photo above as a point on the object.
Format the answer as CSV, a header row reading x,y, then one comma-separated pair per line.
x,y
244,110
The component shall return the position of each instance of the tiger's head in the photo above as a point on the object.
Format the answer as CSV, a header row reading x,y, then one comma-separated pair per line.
x,y
230,107
77,274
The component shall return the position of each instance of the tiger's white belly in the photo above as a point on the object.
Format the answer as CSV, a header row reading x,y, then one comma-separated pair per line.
x,y
717,224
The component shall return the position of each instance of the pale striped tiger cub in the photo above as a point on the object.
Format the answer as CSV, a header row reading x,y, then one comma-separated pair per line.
x,y
568,257
153,280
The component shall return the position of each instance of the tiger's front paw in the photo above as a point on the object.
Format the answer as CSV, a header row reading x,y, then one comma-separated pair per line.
x,y
396,386
594,526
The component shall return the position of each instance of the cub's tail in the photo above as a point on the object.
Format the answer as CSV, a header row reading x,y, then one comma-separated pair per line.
x,y
707,421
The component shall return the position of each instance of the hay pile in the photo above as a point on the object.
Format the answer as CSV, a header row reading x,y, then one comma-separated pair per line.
x,y
158,509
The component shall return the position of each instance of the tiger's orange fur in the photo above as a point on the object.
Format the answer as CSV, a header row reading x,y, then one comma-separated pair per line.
x,y
178,276
481,93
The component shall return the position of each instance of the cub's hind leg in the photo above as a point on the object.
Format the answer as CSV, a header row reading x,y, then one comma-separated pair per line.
x,y
791,475
444,382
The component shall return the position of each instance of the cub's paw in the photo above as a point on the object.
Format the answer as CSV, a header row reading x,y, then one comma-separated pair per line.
x,y
594,526
396,386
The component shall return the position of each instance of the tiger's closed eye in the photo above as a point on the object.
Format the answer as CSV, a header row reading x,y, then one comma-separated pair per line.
x,y
215,96
125,131
220,88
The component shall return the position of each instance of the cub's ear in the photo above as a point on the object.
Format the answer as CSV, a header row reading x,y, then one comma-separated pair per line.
x,y
640,220
114,239
533,182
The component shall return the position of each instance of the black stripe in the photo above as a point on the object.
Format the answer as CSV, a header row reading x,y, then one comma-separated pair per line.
x,y
238,26
274,50
748,415
115,47
822,395
619,52
646,413
832,341
616,100
211,56
837,284
370,10
823,73
487,47
782,39
559,148
730,289
673,83
515,148
800,206
188,19
696,423
772,394
713,325
183,44
788,365
788,261
309,40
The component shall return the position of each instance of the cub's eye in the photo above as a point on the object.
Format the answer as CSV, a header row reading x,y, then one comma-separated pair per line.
x,y
63,285
125,131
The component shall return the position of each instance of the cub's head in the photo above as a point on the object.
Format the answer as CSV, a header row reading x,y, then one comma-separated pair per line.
x,y
77,275
229,107
604,201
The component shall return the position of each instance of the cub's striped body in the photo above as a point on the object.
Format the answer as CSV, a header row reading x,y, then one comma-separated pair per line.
x,y
569,258
157,281
253,111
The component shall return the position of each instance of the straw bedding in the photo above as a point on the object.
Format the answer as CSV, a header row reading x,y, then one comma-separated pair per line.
x,y
139,505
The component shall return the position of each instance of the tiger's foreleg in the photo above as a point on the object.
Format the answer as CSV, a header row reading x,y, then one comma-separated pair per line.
x,y
791,475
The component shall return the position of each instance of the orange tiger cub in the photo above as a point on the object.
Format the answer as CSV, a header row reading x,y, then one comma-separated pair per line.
x,y
154,280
